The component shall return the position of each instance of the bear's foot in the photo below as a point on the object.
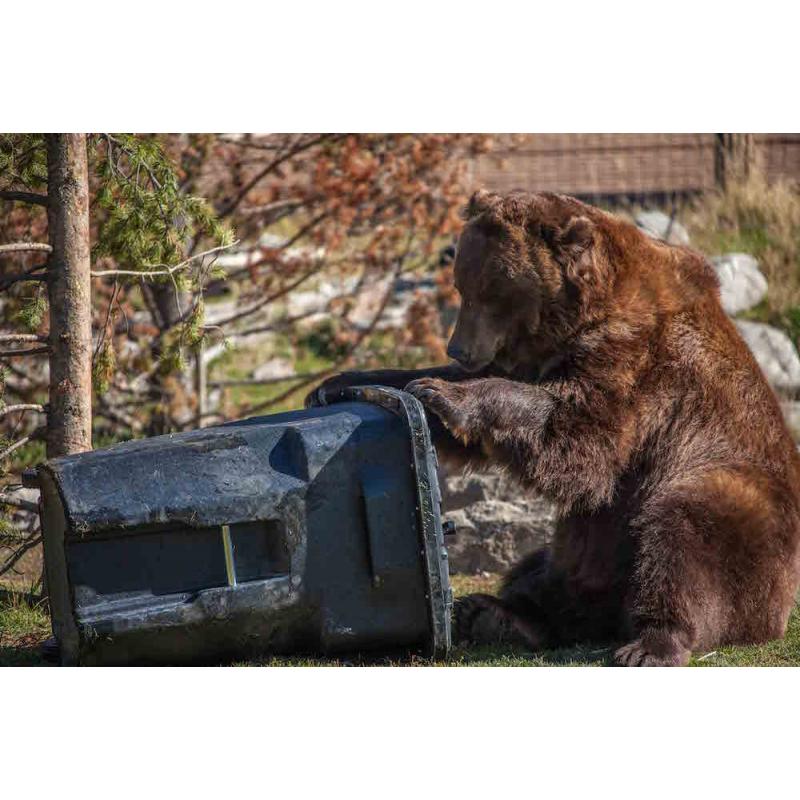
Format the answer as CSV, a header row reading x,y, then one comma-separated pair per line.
x,y
652,649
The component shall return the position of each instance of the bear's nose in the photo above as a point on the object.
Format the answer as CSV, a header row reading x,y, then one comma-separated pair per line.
x,y
457,353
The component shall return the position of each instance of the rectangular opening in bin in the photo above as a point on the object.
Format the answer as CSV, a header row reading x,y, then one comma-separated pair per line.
x,y
174,561
259,550
163,562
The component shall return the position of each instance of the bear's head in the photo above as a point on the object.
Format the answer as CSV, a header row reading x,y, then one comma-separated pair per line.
x,y
525,264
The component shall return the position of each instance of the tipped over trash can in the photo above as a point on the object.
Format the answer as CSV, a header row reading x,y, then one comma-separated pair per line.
x,y
314,531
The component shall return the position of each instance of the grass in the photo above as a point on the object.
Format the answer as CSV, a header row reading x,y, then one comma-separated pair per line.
x,y
25,624
763,219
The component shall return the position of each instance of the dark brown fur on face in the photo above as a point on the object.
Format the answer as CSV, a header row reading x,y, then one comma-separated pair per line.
x,y
599,368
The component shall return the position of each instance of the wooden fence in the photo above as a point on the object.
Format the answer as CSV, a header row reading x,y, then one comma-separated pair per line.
x,y
622,165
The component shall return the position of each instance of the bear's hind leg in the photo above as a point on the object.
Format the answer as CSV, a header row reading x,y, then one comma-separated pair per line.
x,y
481,619
673,602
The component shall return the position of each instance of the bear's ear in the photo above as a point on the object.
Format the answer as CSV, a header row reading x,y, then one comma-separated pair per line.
x,y
480,202
572,246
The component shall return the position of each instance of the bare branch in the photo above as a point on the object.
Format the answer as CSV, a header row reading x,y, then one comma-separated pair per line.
x,y
23,247
156,270
311,378
18,553
35,351
278,205
351,351
18,502
33,274
22,407
22,337
21,442
25,197
263,381
271,298
229,207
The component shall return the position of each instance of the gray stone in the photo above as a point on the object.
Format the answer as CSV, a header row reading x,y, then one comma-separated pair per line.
x,y
791,413
459,491
661,226
273,369
742,285
775,354
497,523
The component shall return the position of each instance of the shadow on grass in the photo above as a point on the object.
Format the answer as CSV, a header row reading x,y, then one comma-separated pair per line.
x,y
21,655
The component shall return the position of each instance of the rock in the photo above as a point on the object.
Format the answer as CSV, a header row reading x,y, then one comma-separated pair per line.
x,y
497,523
313,302
493,535
791,413
661,226
459,491
775,354
742,285
273,369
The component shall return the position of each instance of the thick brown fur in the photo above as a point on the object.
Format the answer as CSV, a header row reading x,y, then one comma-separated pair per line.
x,y
598,367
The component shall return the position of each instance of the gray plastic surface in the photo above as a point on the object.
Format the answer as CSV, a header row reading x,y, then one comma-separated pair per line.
x,y
315,531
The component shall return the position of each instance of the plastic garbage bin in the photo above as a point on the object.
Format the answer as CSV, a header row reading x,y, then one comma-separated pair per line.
x,y
314,531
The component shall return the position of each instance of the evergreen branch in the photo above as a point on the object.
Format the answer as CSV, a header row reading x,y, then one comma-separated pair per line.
x,y
157,270
22,407
22,247
133,156
25,197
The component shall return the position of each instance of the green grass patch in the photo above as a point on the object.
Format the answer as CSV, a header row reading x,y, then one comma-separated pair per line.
x,y
25,624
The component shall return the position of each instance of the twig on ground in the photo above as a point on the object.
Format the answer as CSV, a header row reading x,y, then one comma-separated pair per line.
x,y
707,655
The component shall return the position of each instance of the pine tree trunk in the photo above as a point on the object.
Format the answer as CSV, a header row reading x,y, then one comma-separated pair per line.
x,y
735,157
69,424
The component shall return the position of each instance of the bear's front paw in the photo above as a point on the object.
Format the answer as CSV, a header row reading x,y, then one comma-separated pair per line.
x,y
331,388
447,400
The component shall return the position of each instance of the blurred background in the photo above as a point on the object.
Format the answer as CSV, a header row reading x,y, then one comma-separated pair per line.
x,y
230,273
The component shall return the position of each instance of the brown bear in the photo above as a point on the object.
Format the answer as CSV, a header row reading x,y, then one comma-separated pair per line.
x,y
597,366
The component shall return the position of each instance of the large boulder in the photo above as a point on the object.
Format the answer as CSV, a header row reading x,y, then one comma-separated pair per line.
x,y
659,225
496,522
791,413
775,354
742,285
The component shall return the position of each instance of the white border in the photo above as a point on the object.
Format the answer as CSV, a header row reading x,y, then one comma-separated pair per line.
x,y
618,65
